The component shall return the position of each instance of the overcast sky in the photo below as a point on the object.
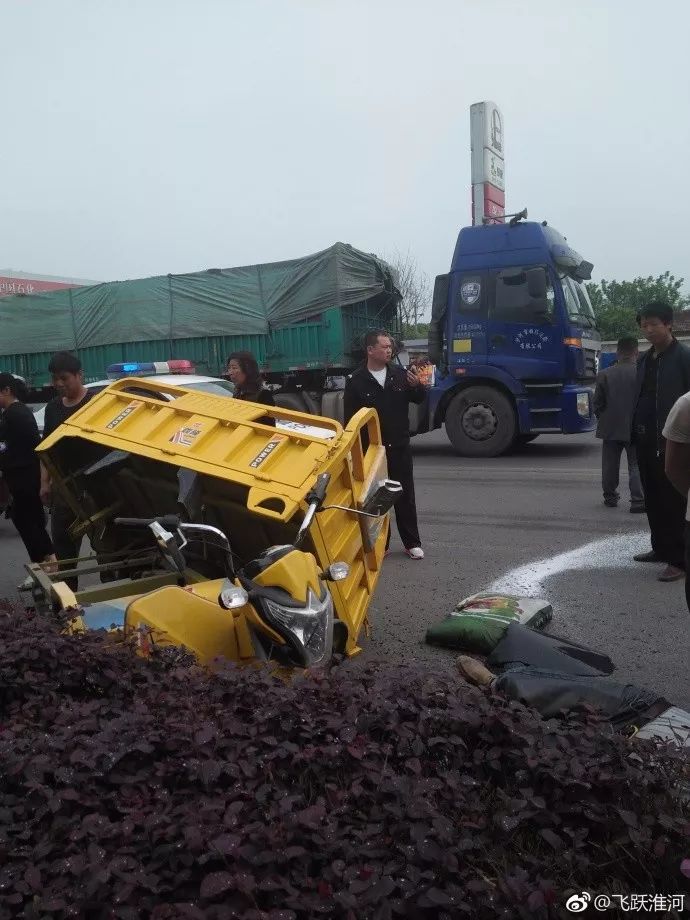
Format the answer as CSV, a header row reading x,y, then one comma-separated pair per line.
x,y
149,136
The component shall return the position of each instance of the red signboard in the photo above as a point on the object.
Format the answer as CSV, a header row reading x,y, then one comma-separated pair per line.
x,y
9,286
488,163
493,199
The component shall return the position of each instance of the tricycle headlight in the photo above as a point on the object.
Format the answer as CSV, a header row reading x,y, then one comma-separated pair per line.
x,y
338,571
232,597
308,629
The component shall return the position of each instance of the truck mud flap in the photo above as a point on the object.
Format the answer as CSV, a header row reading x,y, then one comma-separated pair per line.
x,y
419,417
333,406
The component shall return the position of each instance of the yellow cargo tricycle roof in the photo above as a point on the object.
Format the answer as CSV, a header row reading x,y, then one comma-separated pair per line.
x,y
217,435
121,455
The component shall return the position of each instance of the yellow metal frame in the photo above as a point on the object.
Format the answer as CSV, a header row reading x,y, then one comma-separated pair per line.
x,y
228,440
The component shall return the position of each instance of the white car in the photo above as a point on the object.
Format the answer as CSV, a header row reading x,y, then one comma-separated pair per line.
x,y
192,382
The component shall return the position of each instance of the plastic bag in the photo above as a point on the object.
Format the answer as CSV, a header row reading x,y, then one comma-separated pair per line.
x,y
426,373
479,622
672,724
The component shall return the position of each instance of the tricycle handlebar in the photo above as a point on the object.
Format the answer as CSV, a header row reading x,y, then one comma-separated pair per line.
x,y
169,521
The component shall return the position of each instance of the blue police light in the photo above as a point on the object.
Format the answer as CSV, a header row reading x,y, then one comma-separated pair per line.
x,y
131,369
148,368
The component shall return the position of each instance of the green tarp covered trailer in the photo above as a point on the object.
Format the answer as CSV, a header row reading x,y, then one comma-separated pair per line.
x,y
304,314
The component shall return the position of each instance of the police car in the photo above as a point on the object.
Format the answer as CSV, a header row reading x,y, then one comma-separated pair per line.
x,y
181,374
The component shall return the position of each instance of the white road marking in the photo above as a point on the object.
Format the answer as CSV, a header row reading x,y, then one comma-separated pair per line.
x,y
609,553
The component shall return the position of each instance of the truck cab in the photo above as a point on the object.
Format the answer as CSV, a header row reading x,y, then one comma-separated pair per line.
x,y
514,340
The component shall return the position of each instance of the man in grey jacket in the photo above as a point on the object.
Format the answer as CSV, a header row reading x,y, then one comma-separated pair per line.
x,y
614,403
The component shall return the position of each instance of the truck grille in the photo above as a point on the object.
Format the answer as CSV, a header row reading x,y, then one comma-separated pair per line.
x,y
591,363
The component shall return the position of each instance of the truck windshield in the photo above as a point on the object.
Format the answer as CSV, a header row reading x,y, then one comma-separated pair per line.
x,y
577,302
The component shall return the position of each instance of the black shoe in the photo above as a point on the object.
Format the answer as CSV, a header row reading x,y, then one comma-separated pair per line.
x,y
651,556
611,502
638,509
671,573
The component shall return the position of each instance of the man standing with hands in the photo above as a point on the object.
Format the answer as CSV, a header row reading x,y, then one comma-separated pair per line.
x,y
663,376
390,390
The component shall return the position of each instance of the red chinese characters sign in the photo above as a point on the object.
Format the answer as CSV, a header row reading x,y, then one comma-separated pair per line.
x,y
10,286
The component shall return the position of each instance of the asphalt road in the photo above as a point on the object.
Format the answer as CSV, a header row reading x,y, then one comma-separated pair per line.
x,y
522,524
531,522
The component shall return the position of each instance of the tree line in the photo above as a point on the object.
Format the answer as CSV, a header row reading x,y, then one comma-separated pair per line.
x,y
616,303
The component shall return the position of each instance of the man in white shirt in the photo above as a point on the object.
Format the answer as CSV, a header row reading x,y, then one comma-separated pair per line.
x,y
390,389
677,464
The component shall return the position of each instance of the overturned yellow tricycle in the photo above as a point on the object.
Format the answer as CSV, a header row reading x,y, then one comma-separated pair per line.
x,y
219,527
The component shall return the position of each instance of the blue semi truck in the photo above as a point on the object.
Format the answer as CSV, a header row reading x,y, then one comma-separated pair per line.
x,y
514,340
512,334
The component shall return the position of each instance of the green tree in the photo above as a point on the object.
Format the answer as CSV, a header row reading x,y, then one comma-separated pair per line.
x,y
410,331
616,302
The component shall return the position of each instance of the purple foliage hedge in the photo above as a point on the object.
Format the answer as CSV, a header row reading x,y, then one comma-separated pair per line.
x,y
137,789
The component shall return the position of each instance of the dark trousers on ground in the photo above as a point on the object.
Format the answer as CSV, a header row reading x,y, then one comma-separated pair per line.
x,y
28,514
61,519
400,468
610,471
665,508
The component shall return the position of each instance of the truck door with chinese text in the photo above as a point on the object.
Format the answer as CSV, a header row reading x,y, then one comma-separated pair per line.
x,y
525,336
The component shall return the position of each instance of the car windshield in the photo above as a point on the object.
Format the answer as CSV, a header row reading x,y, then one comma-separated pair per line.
x,y
219,387
577,302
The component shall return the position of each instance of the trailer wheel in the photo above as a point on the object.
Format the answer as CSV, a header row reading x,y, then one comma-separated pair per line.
x,y
480,422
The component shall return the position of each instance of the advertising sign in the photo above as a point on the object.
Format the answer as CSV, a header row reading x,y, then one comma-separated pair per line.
x,y
17,284
488,163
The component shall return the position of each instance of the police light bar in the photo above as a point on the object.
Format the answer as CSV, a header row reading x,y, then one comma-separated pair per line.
x,y
148,368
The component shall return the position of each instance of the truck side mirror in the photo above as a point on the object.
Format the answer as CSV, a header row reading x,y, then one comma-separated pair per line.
x,y
438,311
440,298
536,283
583,272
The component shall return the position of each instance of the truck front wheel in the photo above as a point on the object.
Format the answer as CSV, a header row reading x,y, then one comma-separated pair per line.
x,y
480,422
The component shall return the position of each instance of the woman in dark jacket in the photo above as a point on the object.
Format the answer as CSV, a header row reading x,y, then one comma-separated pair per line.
x,y
243,371
21,469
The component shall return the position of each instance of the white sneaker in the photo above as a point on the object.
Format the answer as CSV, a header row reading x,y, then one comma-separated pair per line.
x,y
26,585
415,553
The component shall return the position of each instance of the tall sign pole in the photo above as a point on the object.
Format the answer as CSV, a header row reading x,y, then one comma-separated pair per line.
x,y
488,164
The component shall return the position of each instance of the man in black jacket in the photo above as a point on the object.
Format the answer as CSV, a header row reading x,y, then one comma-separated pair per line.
x,y
68,379
390,390
663,375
